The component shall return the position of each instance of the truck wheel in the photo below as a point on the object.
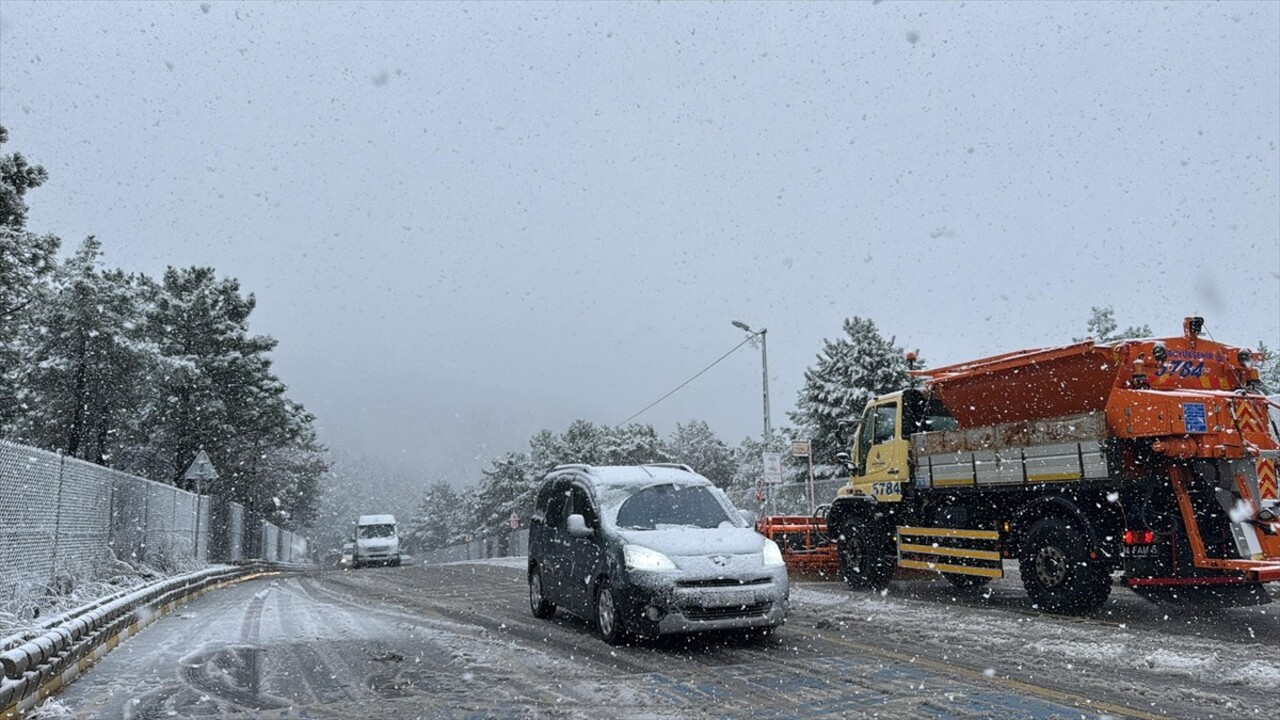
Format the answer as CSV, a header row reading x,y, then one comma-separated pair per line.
x,y
1056,570
538,603
609,616
865,560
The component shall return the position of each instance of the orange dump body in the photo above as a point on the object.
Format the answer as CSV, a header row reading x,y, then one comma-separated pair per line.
x,y
1143,385
1190,397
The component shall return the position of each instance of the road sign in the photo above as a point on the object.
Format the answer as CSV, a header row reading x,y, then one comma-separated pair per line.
x,y
800,448
772,468
201,468
513,522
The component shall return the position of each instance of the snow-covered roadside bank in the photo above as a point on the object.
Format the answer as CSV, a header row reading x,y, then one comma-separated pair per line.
x,y
29,614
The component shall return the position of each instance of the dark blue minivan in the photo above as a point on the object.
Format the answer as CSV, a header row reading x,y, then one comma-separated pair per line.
x,y
646,550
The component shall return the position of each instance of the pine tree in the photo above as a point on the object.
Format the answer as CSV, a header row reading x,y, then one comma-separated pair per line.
x,y
546,451
583,442
439,520
1102,327
84,370
634,444
694,444
215,390
1269,368
27,260
850,371
508,487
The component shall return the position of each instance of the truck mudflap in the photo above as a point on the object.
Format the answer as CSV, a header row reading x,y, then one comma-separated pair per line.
x,y
1256,537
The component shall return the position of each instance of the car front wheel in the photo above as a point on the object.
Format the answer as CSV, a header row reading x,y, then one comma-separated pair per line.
x,y
608,618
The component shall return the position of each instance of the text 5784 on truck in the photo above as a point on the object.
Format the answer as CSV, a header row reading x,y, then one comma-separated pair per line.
x,y
1155,458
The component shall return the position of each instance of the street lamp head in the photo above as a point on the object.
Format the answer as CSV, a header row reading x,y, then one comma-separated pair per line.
x,y
741,325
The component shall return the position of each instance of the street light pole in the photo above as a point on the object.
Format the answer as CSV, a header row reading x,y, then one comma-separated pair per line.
x,y
764,366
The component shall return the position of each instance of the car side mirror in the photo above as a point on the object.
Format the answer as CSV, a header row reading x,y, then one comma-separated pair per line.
x,y
844,459
578,526
748,516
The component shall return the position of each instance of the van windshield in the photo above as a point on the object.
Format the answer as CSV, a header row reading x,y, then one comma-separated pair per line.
x,y
375,531
658,507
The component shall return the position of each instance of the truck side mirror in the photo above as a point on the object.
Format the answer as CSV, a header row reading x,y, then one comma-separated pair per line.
x,y
844,459
578,526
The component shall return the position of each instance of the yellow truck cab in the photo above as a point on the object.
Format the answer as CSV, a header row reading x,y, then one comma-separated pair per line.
x,y
881,460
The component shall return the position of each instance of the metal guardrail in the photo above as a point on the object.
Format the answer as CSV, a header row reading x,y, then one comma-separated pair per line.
x,y
37,664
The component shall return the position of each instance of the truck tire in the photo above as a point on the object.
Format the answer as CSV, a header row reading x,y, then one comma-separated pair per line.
x,y
1056,570
866,560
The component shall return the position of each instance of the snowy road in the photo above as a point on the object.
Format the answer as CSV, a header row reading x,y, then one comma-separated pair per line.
x,y
458,641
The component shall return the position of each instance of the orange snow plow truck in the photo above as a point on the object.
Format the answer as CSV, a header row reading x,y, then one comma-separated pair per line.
x,y
1154,459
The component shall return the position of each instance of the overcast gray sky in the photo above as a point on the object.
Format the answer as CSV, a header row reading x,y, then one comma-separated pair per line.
x,y
467,222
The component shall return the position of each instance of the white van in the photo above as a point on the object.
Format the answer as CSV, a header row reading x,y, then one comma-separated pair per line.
x,y
376,542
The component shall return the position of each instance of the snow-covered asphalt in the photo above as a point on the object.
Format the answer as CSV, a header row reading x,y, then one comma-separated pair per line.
x,y
458,641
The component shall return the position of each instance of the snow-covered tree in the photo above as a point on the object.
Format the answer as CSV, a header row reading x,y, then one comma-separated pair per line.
x,y
583,442
850,371
508,487
1269,368
26,262
84,370
634,444
586,442
215,390
439,521
694,444
1102,327
547,450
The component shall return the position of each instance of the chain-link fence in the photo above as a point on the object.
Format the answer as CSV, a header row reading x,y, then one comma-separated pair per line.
x,y
63,520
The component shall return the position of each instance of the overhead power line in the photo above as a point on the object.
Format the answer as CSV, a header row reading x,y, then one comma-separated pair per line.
x,y
686,382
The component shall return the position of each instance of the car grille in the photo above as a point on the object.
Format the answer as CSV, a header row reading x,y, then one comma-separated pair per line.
x,y
722,582
728,612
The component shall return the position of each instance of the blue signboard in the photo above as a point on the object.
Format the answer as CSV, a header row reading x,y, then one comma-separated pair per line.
x,y
1193,418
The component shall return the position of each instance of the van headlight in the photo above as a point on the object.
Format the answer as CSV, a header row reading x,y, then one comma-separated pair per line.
x,y
772,555
638,557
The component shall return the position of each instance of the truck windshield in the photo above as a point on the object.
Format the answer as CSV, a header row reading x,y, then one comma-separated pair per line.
x,y
376,531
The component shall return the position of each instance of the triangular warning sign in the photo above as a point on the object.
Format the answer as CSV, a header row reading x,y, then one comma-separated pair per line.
x,y
201,468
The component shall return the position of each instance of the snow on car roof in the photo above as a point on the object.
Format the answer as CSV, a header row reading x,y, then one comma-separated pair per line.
x,y
376,520
632,474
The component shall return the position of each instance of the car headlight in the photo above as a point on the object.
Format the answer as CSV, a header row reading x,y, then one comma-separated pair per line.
x,y
772,555
642,558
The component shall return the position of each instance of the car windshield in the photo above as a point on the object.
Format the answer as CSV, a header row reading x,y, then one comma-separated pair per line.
x,y
659,507
376,531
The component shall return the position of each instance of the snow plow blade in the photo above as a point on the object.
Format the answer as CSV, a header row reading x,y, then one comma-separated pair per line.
x,y
803,541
